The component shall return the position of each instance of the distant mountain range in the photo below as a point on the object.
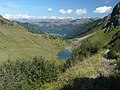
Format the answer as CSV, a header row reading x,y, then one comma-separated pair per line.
x,y
40,20
54,26
82,29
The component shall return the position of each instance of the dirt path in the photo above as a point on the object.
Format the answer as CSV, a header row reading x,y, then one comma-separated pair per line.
x,y
77,41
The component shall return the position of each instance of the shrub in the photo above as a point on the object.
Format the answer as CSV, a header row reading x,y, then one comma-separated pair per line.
x,y
86,49
22,74
115,49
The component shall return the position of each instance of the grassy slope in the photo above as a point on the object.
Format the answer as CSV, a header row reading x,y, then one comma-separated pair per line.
x,y
102,37
17,42
90,67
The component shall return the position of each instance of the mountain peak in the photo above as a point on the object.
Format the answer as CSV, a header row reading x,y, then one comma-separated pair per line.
x,y
116,10
113,20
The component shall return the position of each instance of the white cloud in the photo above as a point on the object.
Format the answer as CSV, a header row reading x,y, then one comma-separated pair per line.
x,y
50,10
6,7
17,16
62,11
107,1
80,11
9,6
25,16
69,11
103,9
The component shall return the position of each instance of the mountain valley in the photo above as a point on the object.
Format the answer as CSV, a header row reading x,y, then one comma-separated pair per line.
x,y
29,53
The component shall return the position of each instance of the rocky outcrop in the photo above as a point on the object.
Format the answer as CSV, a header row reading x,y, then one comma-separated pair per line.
x,y
112,20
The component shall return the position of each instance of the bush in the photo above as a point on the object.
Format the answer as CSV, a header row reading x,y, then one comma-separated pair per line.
x,y
113,54
21,74
115,48
87,48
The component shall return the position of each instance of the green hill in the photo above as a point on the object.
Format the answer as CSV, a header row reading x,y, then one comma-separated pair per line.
x,y
17,42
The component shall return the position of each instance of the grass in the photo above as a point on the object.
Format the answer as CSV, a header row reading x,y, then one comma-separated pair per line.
x,y
17,42
90,67
102,37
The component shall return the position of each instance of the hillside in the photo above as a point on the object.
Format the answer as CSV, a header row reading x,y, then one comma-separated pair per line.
x,y
31,27
107,35
96,47
17,42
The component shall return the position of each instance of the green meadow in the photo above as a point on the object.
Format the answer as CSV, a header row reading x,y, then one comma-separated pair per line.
x,y
17,42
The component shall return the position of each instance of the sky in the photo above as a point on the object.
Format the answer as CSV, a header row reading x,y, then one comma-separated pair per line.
x,y
54,9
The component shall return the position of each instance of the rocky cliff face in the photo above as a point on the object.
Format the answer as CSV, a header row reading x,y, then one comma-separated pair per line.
x,y
112,20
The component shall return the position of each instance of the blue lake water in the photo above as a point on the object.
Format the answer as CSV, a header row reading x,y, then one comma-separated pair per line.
x,y
66,54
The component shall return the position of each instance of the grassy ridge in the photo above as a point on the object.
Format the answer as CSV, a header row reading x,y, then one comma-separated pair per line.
x,y
17,42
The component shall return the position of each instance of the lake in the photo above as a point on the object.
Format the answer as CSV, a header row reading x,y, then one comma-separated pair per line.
x,y
66,54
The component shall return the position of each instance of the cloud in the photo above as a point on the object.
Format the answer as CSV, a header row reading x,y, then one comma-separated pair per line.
x,y
103,9
50,10
69,11
9,6
25,16
6,7
80,11
107,1
17,16
62,11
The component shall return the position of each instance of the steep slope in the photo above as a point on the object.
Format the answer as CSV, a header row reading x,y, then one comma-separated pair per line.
x,y
113,20
17,42
111,23
107,33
